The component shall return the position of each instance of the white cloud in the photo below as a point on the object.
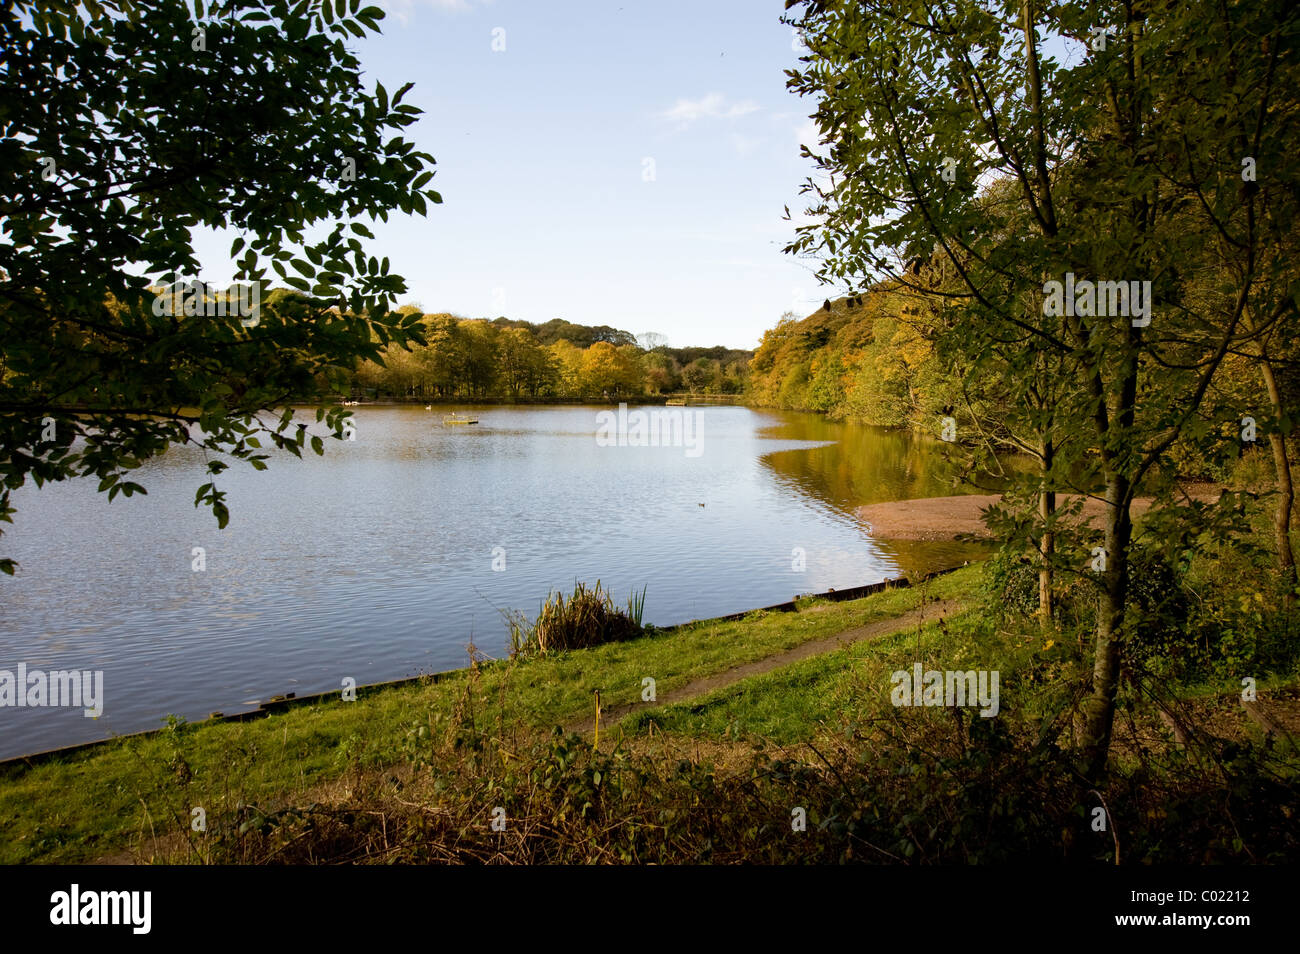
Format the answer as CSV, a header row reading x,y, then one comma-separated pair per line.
x,y
401,9
454,5
744,145
712,106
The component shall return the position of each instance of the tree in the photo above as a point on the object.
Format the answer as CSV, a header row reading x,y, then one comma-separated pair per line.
x,y
660,372
127,126
568,360
557,329
610,370
519,355
481,366
443,357
920,110
698,375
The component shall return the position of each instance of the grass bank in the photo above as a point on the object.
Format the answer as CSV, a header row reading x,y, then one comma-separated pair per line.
x,y
810,762
123,794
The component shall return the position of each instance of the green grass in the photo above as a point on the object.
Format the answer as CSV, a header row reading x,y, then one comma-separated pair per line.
x,y
91,803
787,705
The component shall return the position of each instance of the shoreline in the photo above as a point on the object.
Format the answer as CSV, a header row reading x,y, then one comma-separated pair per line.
x,y
282,703
948,518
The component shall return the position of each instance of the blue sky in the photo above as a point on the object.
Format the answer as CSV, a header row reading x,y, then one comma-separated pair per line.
x,y
541,153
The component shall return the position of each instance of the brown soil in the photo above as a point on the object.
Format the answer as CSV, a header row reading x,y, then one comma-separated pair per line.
x,y
944,518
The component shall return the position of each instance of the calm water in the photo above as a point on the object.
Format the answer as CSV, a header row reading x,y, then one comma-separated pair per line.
x,y
376,561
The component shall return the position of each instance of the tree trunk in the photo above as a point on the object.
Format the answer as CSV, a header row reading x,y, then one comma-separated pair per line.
x,y
1099,708
1047,546
1285,490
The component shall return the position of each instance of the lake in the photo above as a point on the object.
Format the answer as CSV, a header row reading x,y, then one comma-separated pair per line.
x,y
387,556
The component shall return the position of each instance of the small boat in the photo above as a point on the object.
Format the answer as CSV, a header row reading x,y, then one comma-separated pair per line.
x,y
453,419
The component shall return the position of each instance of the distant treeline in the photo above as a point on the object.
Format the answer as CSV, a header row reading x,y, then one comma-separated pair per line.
x,y
867,358
509,358
876,358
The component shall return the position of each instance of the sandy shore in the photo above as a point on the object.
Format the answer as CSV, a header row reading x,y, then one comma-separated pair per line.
x,y
943,518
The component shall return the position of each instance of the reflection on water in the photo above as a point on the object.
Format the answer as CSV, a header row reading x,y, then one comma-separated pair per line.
x,y
376,561
856,466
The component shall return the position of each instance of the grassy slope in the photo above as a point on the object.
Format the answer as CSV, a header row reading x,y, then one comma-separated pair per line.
x,y
92,803
798,702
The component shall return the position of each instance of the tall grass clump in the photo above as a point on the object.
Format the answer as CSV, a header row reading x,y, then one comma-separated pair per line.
x,y
636,606
586,618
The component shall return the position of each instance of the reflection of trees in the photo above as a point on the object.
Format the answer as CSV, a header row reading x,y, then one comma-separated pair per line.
x,y
864,465
867,465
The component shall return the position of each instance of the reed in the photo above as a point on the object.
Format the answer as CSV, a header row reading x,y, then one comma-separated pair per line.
x,y
587,617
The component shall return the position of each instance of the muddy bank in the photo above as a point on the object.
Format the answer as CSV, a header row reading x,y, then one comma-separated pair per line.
x,y
944,518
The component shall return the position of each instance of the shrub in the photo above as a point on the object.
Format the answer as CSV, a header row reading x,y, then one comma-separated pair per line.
x,y
587,618
1010,589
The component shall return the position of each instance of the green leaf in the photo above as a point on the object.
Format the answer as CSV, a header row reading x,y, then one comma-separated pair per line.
x,y
151,367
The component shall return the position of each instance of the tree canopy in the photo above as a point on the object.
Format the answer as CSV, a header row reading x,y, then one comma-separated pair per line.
x,y
468,358
1097,201
129,125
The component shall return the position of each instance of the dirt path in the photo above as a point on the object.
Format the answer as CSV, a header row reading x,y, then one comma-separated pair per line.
x,y
943,518
698,687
